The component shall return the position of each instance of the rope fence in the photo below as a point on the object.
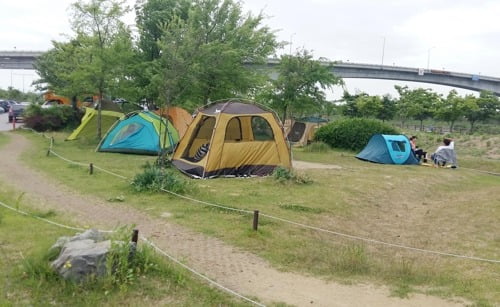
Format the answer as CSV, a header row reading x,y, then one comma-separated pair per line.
x,y
150,243
349,236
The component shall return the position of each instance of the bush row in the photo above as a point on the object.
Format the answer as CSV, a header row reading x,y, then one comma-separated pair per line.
x,y
352,133
53,119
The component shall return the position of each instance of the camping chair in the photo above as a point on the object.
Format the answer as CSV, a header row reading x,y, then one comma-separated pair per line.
x,y
445,156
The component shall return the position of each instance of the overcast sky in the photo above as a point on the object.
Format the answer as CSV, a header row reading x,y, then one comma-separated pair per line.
x,y
454,35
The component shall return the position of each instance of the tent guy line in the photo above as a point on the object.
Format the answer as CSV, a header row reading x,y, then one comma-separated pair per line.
x,y
368,240
150,243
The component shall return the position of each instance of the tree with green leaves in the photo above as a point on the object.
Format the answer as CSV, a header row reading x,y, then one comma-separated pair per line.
x,y
105,47
202,56
369,106
97,59
56,69
14,94
388,109
154,18
300,84
450,109
350,108
482,108
417,104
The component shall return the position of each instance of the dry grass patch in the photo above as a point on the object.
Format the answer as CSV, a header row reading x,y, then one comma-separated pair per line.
x,y
438,209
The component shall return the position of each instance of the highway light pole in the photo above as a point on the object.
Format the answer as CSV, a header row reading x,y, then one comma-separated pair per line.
x,y
383,51
23,75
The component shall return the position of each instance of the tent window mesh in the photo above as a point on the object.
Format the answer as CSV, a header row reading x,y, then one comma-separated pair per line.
x,y
126,131
297,131
205,128
233,130
398,146
262,131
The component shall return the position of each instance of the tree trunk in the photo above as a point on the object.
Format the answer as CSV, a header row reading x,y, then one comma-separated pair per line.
x,y
99,118
74,102
472,126
284,113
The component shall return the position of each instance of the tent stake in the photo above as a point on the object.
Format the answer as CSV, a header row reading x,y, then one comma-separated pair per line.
x,y
91,168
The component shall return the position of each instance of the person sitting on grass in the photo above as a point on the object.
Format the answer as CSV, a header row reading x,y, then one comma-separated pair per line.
x,y
418,152
445,154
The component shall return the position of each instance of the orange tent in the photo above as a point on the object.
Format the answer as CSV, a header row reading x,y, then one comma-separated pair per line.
x,y
179,117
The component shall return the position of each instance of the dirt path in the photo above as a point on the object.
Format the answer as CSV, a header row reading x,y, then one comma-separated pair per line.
x,y
236,269
312,165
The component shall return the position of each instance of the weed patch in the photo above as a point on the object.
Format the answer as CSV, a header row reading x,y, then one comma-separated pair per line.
x,y
285,175
155,178
352,259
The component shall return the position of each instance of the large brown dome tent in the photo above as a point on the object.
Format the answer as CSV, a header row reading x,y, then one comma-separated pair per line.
x,y
179,117
301,132
232,138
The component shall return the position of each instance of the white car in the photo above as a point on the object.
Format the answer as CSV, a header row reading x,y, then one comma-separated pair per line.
x,y
50,104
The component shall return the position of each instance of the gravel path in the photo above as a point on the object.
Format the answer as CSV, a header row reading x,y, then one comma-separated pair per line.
x,y
238,270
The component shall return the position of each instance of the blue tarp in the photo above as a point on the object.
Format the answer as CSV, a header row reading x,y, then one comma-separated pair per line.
x,y
388,149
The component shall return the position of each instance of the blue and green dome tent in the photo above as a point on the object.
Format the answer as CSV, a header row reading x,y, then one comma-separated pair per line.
x,y
388,149
140,132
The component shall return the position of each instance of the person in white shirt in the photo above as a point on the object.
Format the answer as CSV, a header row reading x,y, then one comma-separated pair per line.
x,y
445,153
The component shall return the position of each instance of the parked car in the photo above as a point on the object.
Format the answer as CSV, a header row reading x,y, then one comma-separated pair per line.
x,y
5,104
16,111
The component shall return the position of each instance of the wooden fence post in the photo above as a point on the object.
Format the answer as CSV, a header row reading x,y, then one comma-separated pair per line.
x,y
133,244
255,219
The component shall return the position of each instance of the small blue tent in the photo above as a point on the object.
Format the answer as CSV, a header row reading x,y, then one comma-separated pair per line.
x,y
388,149
140,132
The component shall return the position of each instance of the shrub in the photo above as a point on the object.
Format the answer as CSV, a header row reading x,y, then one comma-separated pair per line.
x,y
155,178
352,133
283,175
126,262
54,118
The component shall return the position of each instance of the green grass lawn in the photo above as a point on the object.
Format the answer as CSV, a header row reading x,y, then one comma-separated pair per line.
x,y
27,281
446,210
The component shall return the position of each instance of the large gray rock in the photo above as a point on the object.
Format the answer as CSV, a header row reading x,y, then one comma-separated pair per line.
x,y
82,257
92,234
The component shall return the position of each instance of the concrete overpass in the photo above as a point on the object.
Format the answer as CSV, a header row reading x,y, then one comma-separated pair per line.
x,y
18,59
25,60
434,76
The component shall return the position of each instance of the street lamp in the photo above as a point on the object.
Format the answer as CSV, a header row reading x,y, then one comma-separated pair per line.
x,y
429,56
383,50
23,75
